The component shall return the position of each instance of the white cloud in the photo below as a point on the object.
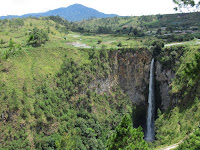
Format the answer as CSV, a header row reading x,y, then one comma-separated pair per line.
x,y
122,7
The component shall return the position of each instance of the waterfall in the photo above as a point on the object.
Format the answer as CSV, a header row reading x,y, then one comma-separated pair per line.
x,y
151,108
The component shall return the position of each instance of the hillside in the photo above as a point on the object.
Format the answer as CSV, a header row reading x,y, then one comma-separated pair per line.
x,y
47,90
61,89
151,21
170,27
181,119
76,12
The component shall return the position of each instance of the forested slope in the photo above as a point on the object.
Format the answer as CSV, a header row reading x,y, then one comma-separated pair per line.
x,y
46,102
182,118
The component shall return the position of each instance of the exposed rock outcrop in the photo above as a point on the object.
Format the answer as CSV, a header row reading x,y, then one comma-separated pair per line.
x,y
130,71
164,78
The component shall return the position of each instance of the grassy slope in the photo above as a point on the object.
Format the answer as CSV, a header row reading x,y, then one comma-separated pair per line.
x,y
32,63
30,66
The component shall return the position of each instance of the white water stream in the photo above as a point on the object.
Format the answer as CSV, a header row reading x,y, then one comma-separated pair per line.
x,y
150,134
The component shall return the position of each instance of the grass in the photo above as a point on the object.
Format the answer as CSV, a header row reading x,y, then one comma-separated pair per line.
x,y
34,65
109,41
31,66
195,42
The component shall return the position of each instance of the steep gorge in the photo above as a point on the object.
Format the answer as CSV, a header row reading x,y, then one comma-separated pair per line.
x,y
95,100
130,71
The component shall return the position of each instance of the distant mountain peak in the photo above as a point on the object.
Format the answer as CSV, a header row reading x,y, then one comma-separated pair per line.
x,y
76,5
75,12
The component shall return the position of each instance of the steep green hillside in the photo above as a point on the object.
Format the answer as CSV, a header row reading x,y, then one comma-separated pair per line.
x,y
183,118
46,102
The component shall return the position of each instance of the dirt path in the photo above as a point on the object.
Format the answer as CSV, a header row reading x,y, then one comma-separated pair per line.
x,y
176,144
173,44
78,44
198,42
171,146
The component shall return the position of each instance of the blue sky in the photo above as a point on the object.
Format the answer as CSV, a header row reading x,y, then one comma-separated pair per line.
x,y
120,7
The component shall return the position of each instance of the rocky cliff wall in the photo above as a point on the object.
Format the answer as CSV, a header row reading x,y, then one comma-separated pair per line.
x,y
130,71
163,80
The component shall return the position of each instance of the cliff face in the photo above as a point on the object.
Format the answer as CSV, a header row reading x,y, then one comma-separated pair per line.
x,y
163,79
130,71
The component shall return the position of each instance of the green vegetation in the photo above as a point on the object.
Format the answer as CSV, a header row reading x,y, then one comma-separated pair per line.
x,y
178,122
192,142
170,28
186,4
38,37
125,137
49,76
46,101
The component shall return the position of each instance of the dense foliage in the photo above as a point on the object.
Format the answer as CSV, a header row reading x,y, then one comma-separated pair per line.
x,y
192,142
179,122
68,115
127,138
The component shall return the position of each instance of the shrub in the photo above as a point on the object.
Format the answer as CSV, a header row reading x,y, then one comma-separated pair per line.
x,y
125,137
99,41
157,47
37,37
2,41
120,44
192,142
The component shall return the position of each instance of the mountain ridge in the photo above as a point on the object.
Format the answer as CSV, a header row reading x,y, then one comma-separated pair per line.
x,y
75,12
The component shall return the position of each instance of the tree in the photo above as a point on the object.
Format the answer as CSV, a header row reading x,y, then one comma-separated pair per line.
x,y
192,69
126,137
170,28
11,43
192,142
16,23
14,100
186,4
37,37
157,47
135,31
159,31
120,44
2,41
